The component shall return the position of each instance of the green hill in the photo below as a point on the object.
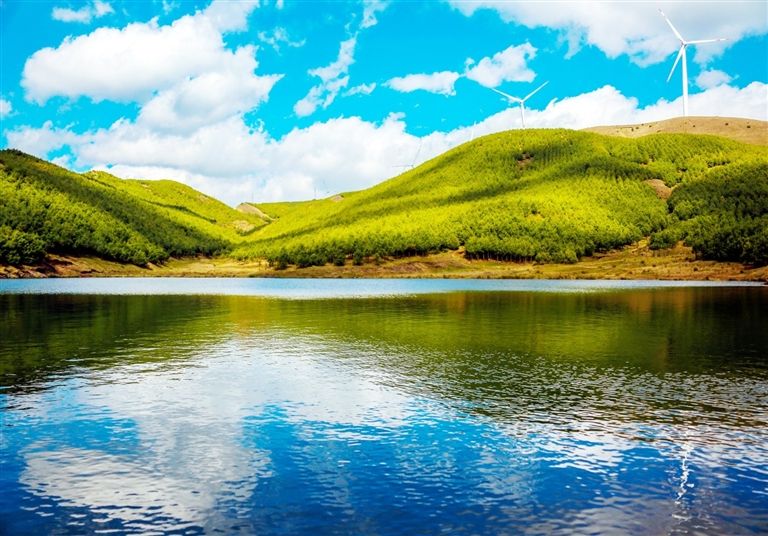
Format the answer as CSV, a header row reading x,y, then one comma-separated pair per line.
x,y
46,208
545,195
542,195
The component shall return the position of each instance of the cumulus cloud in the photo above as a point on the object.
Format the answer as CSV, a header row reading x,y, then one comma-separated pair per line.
x,y
40,141
712,78
85,14
370,9
509,65
634,28
211,96
5,108
229,16
233,162
333,78
441,83
362,89
132,63
279,37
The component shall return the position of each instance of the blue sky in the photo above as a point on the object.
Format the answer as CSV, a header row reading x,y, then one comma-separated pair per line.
x,y
288,100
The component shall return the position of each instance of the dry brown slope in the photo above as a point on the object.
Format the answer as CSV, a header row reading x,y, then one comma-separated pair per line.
x,y
751,131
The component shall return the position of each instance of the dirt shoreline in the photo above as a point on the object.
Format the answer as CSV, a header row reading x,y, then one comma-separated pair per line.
x,y
633,262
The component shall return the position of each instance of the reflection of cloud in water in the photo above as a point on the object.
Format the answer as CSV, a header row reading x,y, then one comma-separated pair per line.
x,y
114,486
311,422
189,419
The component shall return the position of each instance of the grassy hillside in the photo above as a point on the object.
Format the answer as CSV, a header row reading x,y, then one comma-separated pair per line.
x,y
46,208
534,195
546,195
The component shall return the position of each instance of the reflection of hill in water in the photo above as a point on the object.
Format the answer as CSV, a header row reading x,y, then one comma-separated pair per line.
x,y
511,354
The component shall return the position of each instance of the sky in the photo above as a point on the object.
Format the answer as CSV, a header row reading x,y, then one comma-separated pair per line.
x,y
286,100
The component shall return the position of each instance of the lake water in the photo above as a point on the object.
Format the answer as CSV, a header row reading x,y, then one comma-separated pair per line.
x,y
382,407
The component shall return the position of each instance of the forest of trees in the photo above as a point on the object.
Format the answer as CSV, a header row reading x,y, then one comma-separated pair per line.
x,y
541,195
48,209
724,215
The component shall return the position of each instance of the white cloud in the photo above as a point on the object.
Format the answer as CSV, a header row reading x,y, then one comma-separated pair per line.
x,y
169,5
278,37
228,149
5,108
441,83
608,106
41,141
172,486
370,9
510,65
634,28
209,97
228,15
362,89
232,162
85,14
712,78
132,63
333,78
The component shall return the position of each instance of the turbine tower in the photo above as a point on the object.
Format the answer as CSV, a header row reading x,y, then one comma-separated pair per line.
x,y
683,45
415,157
512,100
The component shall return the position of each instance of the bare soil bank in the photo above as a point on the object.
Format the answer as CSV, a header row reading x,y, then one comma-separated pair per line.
x,y
632,262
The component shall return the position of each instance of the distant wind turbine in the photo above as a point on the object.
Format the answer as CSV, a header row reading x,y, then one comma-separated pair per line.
x,y
683,45
517,100
415,157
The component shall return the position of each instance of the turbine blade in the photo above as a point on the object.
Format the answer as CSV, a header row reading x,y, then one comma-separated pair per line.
x,y
508,96
700,41
416,156
531,94
677,34
679,55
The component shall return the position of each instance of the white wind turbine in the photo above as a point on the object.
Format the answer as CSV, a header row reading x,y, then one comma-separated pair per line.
x,y
517,100
415,157
683,45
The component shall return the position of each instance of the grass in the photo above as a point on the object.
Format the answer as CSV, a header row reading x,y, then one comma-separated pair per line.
x,y
742,130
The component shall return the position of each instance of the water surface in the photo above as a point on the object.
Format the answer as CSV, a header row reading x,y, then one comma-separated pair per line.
x,y
387,407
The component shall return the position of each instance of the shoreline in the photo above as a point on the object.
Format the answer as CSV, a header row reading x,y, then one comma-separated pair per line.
x,y
635,262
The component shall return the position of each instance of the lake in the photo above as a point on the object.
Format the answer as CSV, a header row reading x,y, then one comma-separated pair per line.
x,y
383,407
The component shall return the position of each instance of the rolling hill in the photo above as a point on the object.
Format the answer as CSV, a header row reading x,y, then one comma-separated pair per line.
x,y
46,208
549,196
543,195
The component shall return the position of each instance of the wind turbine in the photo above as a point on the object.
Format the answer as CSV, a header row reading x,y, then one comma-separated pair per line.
x,y
683,45
415,157
512,100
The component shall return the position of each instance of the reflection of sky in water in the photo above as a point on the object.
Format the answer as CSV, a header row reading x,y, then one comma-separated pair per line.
x,y
255,435
641,411
328,288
